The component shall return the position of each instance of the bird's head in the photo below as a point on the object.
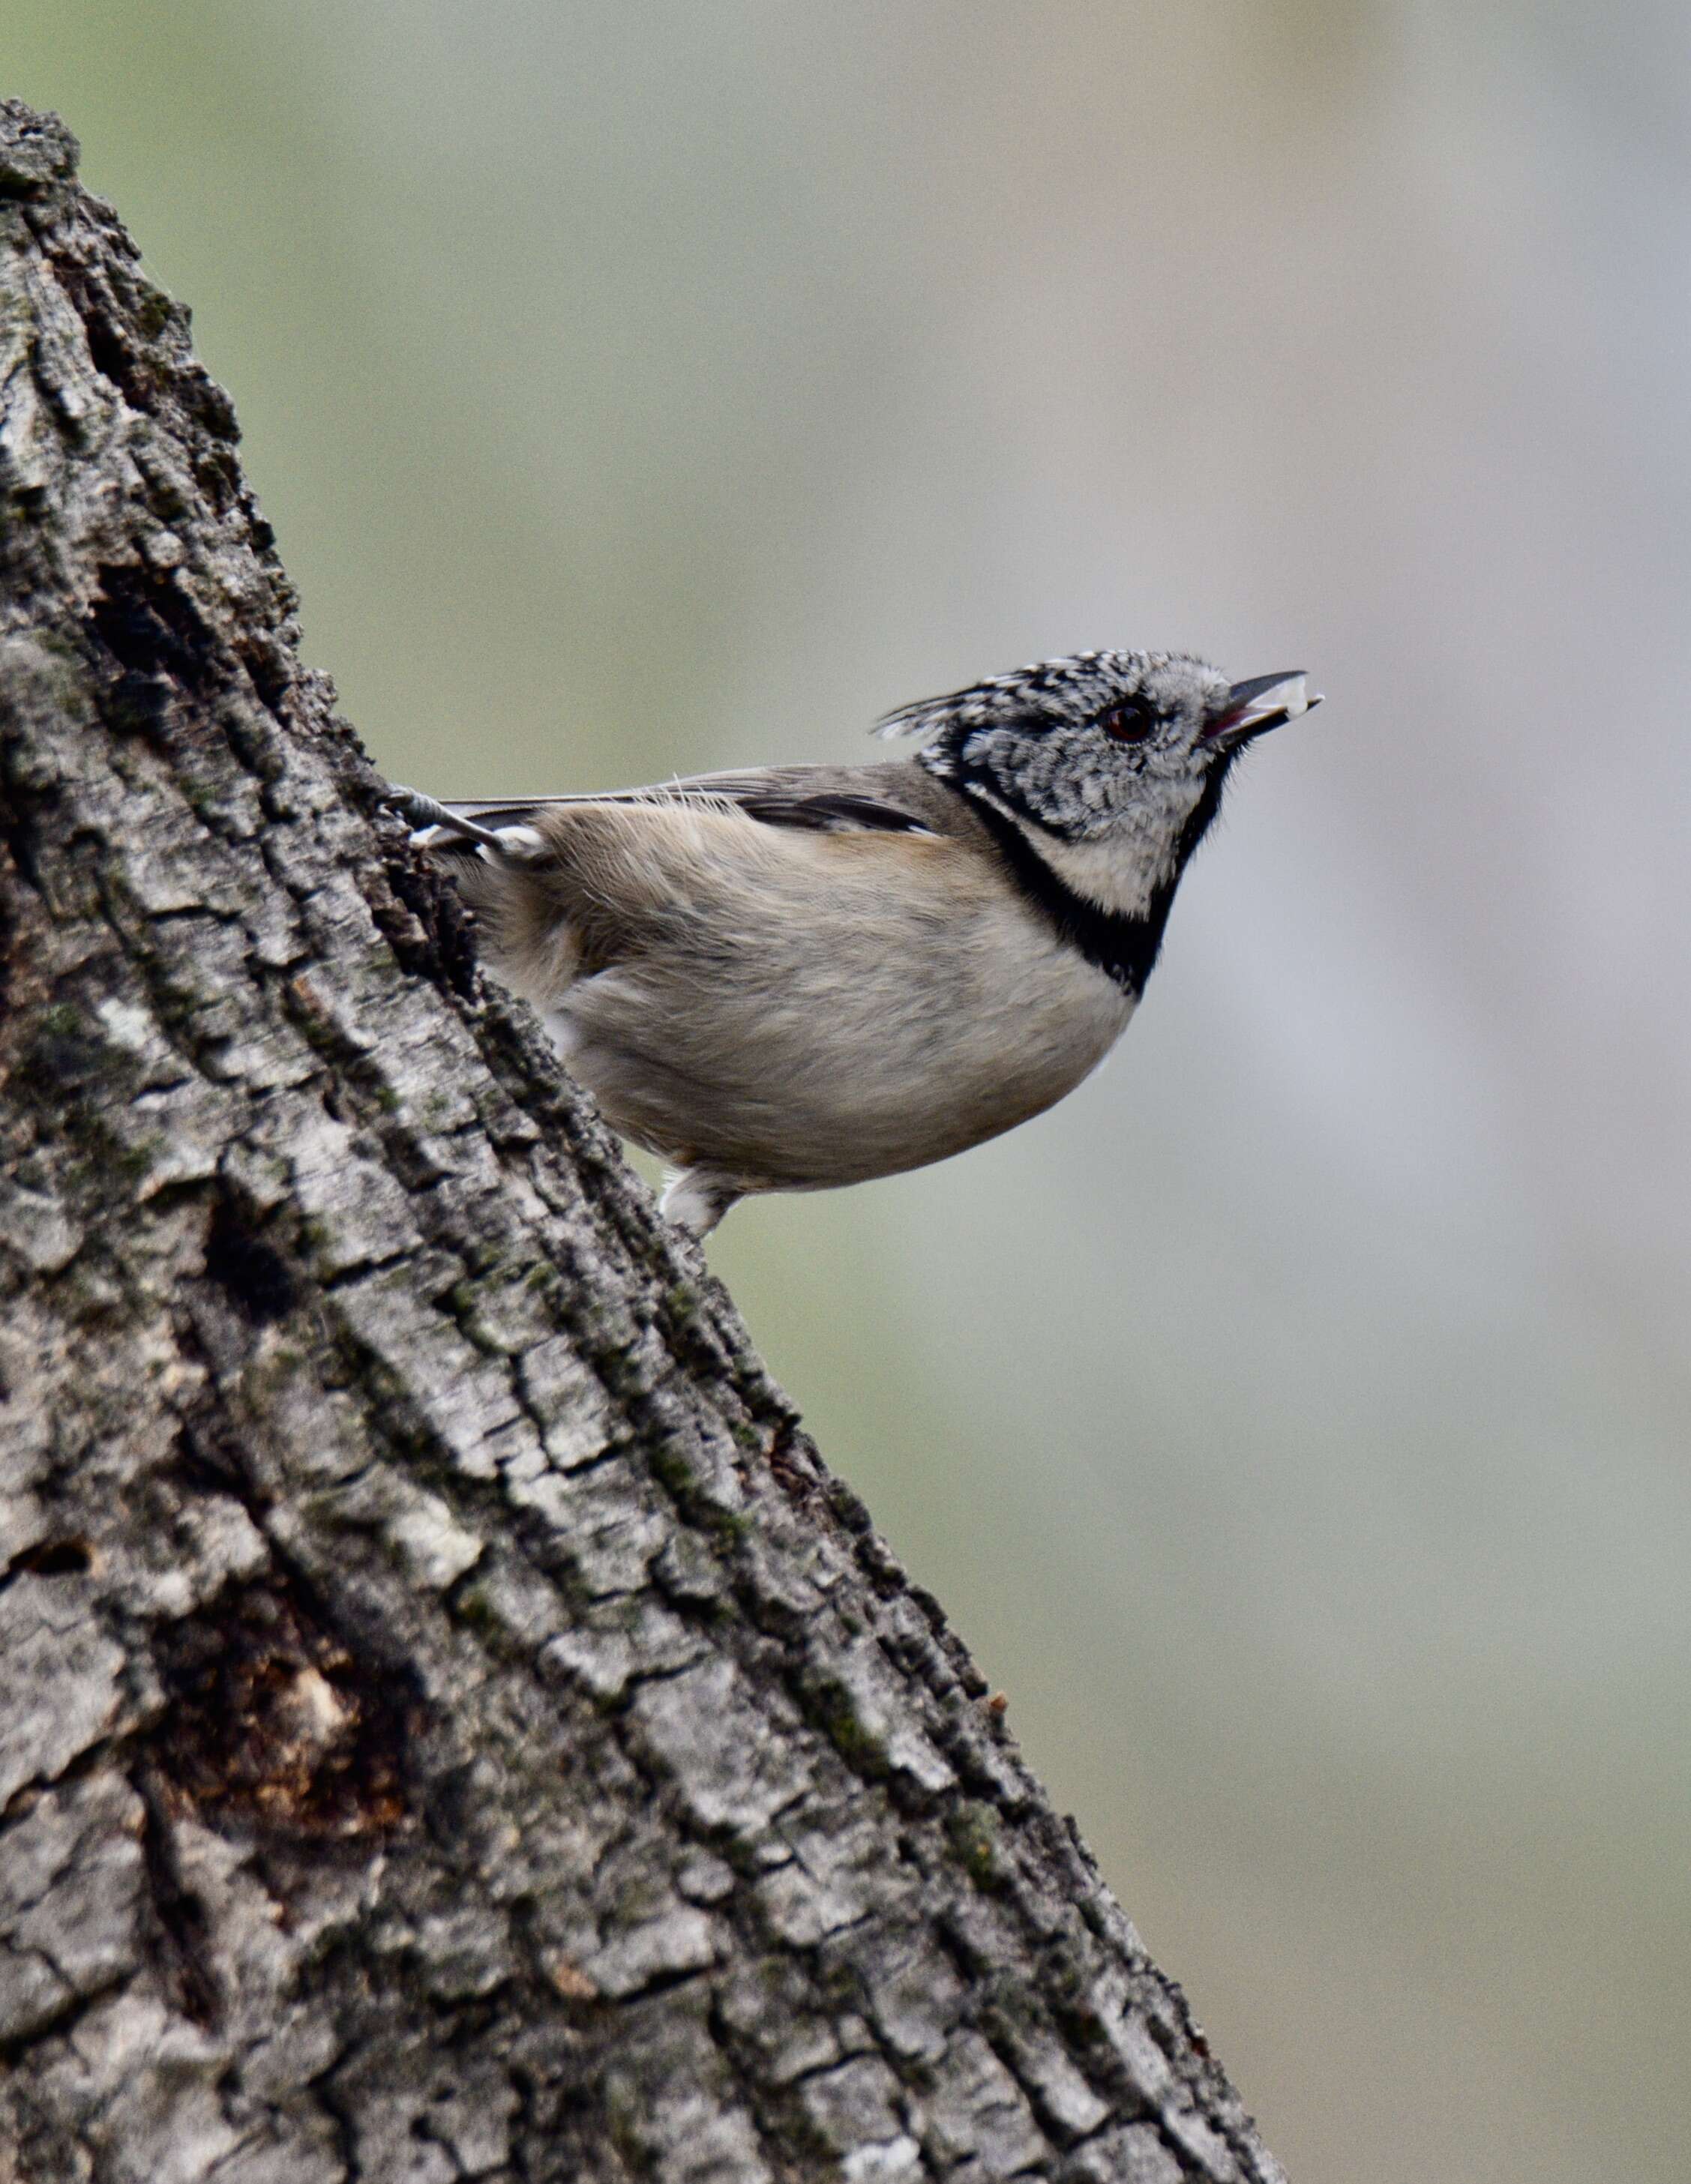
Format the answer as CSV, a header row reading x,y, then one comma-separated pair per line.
x,y
1120,755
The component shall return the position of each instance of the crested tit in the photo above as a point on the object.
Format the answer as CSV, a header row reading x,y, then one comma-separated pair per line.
x,y
811,975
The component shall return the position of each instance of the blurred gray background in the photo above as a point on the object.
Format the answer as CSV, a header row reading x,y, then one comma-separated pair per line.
x,y
1295,1421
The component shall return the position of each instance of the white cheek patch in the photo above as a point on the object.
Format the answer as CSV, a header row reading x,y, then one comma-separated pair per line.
x,y
1108,873
1120,872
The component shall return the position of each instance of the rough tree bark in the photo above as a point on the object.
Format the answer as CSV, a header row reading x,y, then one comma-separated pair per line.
x,y
451,1725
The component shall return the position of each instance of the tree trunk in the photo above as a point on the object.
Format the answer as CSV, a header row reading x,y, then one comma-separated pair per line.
x,y
452,1725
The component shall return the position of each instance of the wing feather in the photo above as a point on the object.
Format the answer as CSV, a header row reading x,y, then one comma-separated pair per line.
x,y
829,799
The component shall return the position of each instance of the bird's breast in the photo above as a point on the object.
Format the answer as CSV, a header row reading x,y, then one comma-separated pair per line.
x,y
871,1003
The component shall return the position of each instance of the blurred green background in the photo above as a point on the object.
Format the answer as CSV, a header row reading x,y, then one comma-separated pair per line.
x,y
1295,1421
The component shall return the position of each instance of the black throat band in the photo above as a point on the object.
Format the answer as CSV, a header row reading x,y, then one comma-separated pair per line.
x,y
1124,947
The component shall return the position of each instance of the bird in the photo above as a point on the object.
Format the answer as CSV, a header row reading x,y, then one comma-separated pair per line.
x,y
801,977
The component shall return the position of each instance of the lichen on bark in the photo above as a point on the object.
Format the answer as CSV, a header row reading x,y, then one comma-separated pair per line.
x,y
453,1725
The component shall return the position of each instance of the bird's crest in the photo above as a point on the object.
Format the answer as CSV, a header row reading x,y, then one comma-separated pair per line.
x,y
1072,689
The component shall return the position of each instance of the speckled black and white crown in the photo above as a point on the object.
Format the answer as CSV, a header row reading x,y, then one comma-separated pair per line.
x,y
1057,692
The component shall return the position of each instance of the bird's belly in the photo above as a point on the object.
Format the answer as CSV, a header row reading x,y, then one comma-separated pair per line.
x,y
834,1077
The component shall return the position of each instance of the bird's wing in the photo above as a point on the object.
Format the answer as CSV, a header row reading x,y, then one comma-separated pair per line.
x,y
621,871
826,799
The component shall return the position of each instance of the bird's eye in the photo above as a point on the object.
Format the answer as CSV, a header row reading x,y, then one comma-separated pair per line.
x,y
1129,722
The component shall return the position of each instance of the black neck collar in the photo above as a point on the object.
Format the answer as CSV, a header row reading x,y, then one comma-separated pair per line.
x,y
1124,946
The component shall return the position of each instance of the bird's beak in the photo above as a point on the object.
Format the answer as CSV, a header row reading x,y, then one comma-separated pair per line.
x,y
1254,708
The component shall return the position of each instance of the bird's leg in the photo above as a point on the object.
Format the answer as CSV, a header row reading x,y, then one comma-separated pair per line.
x,y
421,812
